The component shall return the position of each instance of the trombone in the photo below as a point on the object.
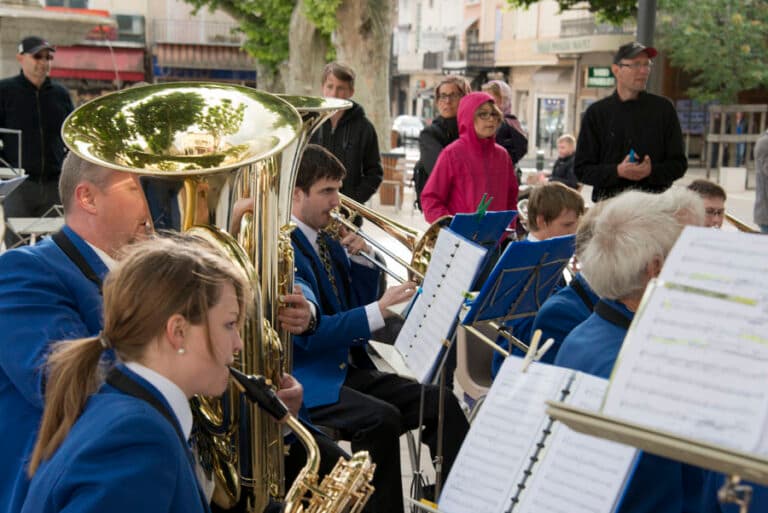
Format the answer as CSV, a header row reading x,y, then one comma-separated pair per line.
x,y
421,245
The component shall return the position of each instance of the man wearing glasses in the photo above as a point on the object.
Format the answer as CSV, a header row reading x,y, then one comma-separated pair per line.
x,y
631,139
37,106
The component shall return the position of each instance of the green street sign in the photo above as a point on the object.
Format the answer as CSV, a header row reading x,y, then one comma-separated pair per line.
x,y
600,76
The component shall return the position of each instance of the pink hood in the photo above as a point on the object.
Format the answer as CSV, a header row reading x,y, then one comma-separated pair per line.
x,y
468,168
466,121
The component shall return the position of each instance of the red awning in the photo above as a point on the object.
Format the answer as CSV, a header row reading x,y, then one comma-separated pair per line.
x,y
97,63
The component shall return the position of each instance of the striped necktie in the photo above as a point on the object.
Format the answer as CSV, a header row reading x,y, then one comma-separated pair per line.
x,y
325,257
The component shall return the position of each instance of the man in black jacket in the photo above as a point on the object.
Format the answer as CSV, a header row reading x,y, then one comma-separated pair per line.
x,y
350,136
631,139
37,106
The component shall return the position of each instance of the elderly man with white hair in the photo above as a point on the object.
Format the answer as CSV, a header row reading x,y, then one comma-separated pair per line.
x,y
631,237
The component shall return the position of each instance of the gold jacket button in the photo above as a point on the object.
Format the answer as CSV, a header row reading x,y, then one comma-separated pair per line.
x,y
342,365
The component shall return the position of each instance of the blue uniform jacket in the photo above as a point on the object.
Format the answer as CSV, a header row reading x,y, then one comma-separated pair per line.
x,y
659,485
560,314
44,298
121,455
321,359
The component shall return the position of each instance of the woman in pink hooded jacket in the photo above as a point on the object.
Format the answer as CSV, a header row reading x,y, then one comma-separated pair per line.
x,y
471,166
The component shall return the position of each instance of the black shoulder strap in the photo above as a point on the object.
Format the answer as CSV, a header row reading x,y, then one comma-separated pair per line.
x,y
612,315
582,293
69,249
126,385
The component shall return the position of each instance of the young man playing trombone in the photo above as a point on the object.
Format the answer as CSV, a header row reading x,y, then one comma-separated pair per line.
x,y
342,389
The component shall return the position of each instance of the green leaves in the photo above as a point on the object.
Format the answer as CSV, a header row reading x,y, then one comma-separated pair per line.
x,y
722,43
266,23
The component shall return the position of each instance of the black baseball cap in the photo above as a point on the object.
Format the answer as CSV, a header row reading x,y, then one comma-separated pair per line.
x,y
632,50
33,44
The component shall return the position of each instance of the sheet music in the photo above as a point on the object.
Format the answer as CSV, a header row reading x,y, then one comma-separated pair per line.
x,y
578,473
695,365
502,438
451,271
732,263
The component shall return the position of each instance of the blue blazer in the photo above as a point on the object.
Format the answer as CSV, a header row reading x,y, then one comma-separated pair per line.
x,y
122,455
44,298
561,313
321,359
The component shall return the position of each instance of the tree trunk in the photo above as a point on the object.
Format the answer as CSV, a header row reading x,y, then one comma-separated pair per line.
x,y
362,41
269,80
308,49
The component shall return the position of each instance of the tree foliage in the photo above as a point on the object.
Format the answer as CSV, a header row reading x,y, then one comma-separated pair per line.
x,y
722,43
612,11
265,23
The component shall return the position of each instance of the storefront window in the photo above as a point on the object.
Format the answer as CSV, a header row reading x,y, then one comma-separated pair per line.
x,y
550,122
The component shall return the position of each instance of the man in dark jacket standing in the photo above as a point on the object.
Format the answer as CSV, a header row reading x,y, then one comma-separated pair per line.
x,y
37,106
631,139
350,136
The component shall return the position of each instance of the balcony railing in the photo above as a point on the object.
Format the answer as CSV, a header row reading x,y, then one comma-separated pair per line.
x,y
196,32
481,55
588,26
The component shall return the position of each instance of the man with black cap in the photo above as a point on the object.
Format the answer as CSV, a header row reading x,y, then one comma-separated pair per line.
x,y
631,139
37,106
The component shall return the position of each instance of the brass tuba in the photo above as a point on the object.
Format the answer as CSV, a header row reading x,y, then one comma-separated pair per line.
x,y
207,153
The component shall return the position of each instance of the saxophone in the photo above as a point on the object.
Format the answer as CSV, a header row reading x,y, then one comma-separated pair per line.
x,y
346,489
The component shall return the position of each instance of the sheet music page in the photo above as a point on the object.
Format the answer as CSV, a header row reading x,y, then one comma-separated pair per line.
x,y
502,438
732,263
451,271
695,365
578,473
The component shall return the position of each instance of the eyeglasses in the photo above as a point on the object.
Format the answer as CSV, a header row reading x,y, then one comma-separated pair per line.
x,y
448,97
635,66
715,212
487,114
41,56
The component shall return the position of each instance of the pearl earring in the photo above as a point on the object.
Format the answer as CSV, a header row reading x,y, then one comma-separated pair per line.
x,y
181,350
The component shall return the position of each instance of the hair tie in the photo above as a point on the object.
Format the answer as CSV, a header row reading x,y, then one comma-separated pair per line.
x,y
104,341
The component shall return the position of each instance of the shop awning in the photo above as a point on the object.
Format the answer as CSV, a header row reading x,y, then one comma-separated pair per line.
x,y
203,57
202,62
99,63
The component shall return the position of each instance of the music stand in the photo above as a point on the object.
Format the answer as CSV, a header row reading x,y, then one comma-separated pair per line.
x,y
735,464
523,278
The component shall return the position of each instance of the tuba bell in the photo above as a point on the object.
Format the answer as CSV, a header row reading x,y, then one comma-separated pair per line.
x,y
205,152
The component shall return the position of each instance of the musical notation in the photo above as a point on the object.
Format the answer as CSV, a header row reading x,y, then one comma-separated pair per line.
x,y
498,447
732,263
517,459
432,318
579,473
695,364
